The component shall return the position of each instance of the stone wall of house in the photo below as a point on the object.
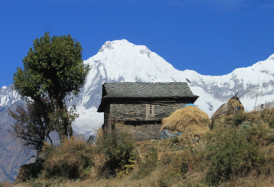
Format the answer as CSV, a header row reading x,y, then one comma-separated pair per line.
x,y
138,111
123,111
140,132
163,111
107,123
132,119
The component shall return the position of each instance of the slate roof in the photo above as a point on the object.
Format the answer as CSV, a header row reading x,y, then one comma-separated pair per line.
x,y
133,90
151,90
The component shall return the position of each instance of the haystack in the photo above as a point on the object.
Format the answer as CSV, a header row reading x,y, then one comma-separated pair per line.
x,y
232,107
189,119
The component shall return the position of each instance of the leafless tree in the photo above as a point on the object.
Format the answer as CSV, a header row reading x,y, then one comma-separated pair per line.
x,y
32,124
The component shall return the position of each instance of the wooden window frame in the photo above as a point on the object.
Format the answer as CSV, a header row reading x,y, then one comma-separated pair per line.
x,y
150,111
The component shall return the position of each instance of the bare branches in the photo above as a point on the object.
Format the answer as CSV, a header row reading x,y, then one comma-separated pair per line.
x,y
32,125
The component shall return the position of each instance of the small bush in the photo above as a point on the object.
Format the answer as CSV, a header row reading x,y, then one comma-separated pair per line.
x,y
231,154
148,165
117,148
72,159
268,117
177,165
29,171
238,119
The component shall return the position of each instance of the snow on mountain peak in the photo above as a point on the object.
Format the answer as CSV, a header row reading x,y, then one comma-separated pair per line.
x,y
271,57
8,96
124,45
109,45
123,60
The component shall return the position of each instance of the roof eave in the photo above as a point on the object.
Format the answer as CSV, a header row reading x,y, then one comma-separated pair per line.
x,y
107,99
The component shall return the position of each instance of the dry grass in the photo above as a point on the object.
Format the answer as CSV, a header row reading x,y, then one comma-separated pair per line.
x,y
190,121
193,179
72,159
266,116
5,184
99,135
183,119
251,181
170,166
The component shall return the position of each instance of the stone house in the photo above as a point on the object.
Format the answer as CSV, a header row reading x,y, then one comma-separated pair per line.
x,y
138,108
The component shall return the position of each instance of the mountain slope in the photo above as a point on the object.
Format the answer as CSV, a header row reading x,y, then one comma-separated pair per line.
x,y
8,96
12,153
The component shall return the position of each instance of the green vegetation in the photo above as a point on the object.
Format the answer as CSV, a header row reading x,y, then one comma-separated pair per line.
x,y
71,160
238,119
53,73
77,159
228,155
148,164
118,151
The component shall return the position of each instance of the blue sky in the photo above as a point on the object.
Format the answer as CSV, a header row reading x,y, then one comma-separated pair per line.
x,y
212,37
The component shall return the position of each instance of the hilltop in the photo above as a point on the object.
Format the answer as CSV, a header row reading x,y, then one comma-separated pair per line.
x,y
238,151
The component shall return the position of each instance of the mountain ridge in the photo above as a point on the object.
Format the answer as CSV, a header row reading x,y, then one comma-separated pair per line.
x,y
122,61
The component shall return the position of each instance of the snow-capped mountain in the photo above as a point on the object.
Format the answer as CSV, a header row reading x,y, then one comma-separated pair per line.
x,y
8,96
123,61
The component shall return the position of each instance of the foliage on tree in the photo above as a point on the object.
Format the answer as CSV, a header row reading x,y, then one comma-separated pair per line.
x,y
53,73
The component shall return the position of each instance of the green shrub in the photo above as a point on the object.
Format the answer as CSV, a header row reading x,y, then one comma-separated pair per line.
x,y
131,163
30,171
238,119
231,154
117,148
72,159
174,140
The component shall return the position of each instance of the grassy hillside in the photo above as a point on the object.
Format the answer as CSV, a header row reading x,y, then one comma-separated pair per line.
x,y
238,151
